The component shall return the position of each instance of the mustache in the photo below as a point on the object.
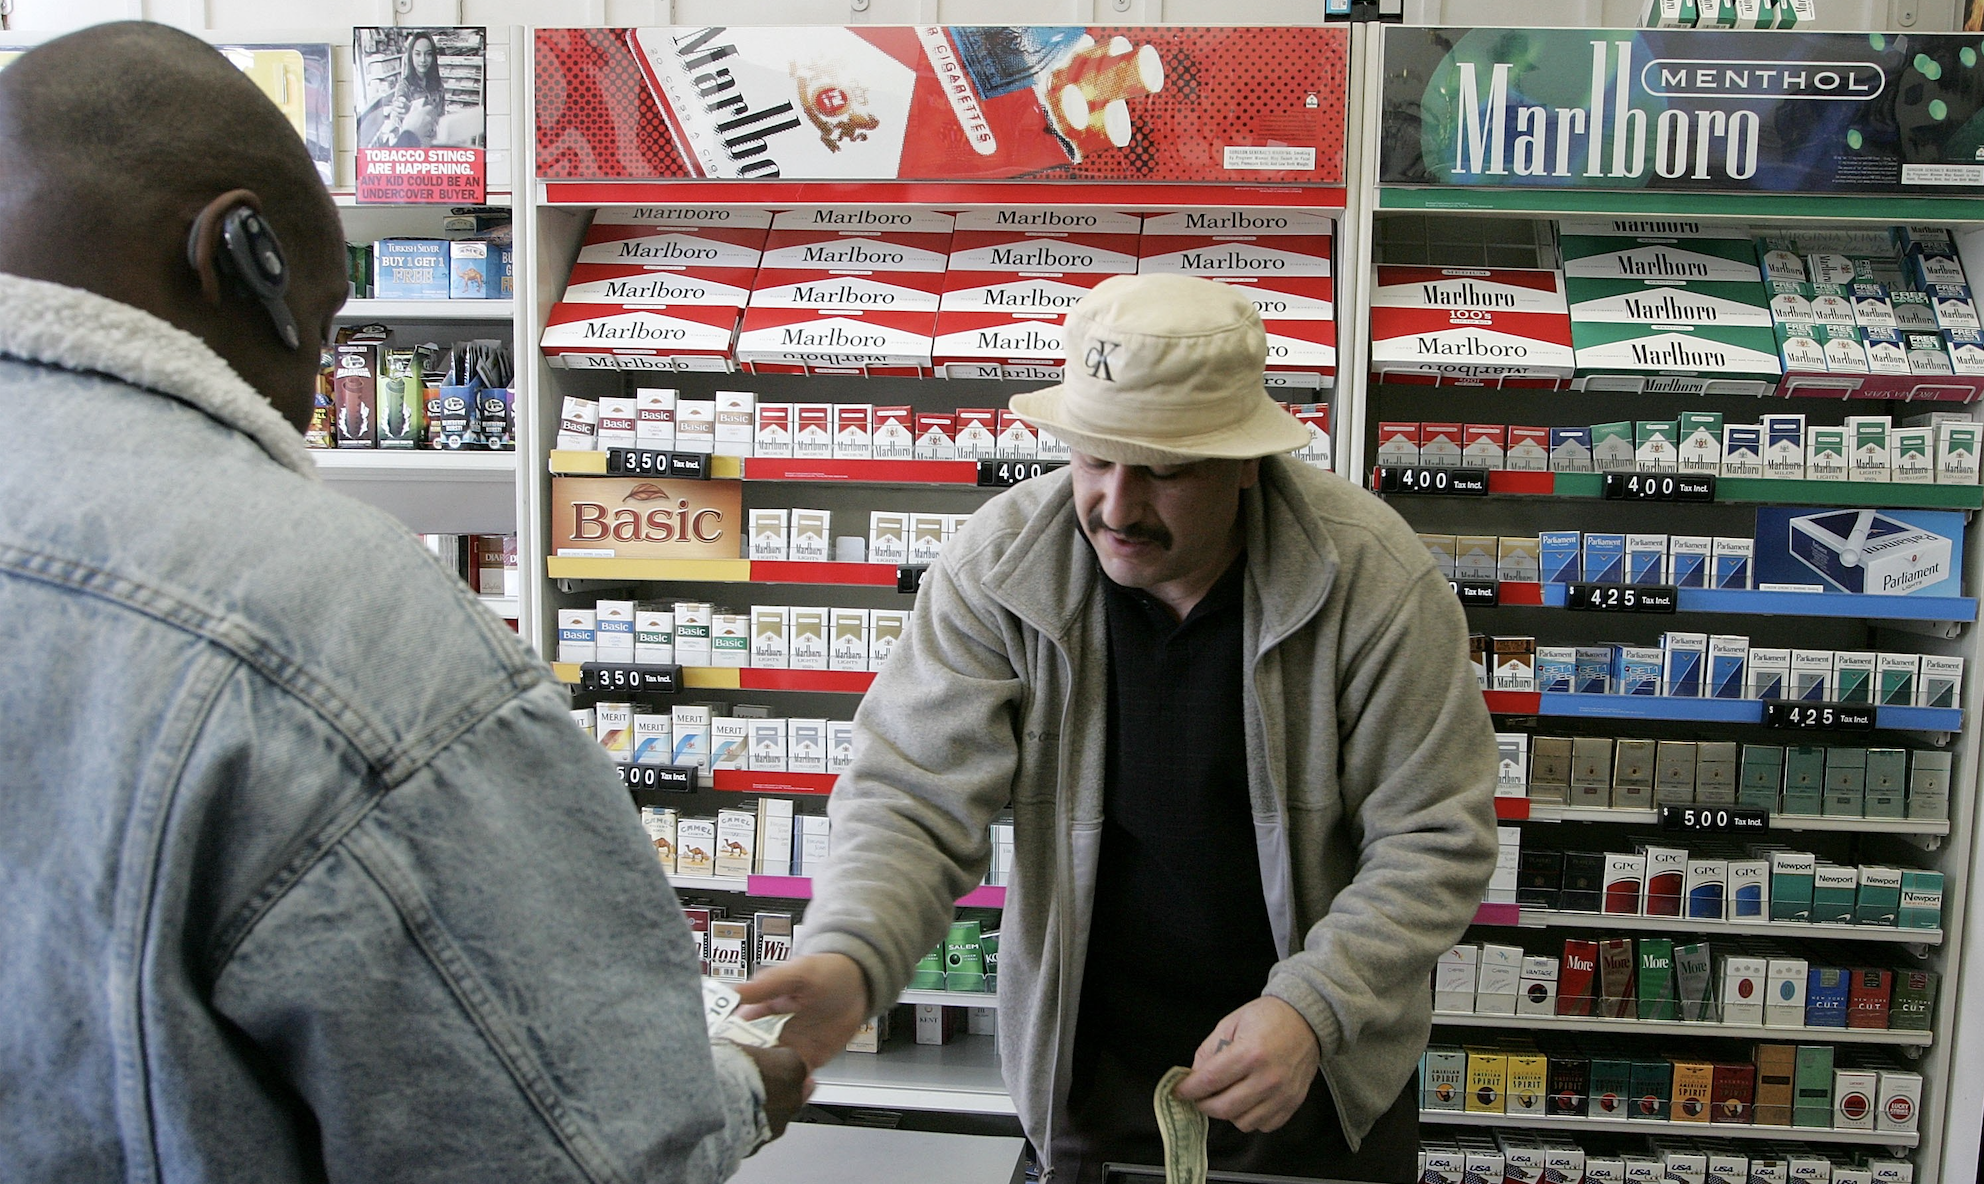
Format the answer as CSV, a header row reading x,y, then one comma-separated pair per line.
x,y
1135,532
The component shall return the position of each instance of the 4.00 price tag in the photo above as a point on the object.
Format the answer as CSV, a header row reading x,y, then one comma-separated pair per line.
x,y
1660,487
1004,474
1621,598
1818,717
1433,479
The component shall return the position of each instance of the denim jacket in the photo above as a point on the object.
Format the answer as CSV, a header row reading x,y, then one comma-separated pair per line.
x,y
305,873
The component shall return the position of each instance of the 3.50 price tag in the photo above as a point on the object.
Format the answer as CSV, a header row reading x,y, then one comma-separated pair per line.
x,y
628,679
1004,474
648,462
1818,717
1660,487
1714,820
1433,479
1621,598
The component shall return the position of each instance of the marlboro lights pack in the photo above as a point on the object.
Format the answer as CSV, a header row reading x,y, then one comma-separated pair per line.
x,y
1014,274
1279,257
655,287
847,290
1471,326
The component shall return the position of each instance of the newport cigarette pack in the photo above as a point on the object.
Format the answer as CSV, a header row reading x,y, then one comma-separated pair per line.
x,y
1921,900
1791,874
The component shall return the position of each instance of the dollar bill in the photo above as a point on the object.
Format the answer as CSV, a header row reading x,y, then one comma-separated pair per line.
x,y
719,1006
1184,1129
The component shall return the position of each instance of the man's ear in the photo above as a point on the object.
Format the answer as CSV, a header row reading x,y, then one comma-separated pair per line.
x,y
203,240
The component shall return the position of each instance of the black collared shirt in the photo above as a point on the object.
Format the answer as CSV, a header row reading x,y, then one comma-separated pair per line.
x,y
1180,935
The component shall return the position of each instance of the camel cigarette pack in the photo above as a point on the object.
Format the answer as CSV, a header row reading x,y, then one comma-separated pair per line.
x,y
695,846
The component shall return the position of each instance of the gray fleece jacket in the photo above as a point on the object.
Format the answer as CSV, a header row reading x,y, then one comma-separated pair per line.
x,y
1371,767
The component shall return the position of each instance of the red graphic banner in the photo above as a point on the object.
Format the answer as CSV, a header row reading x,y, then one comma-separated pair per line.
x,y
955,103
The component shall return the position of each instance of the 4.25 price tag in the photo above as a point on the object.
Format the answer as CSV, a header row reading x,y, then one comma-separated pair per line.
x,y
1818,717
1004,474
1621,598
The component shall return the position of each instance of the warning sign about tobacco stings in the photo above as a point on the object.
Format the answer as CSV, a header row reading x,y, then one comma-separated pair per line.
x,y
1674,109
422,125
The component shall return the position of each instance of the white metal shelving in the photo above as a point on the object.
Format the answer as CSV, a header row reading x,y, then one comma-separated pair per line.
x,y
1621,1027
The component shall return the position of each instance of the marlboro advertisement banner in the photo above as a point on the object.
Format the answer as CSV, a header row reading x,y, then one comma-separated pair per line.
x,y
1673,109
881,102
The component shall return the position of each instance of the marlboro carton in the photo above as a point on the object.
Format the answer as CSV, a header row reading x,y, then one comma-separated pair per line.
x,y
833,298
1691,259
973,344
1474,346
1504,289
672,337
1687,358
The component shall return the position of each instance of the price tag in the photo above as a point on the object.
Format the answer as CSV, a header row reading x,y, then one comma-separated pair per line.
x,y
689,466
630,679
1621,598
636,462
1818,717
1475,592
1433,479
1714,820
1004,474
910,578
1660,487
646,779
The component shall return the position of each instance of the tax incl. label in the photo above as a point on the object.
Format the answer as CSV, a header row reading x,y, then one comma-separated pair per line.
x,y
1004,474
1660,487
1476,592
630,679
1621,598
1818,717
642,779
1433,479
1714,820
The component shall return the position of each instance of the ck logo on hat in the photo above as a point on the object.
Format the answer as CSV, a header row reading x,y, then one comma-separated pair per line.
x,y
1097,359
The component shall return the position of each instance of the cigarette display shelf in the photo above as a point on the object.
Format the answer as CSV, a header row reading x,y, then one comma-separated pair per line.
x,y
1667,1126
985,896
428,464
950,998
724,571
1767,490
961,1077
571,463
1528,918
1592,1023
756,781
421,312
1756,603
750,678
1884,210
710,883
1513,809
1137,195
1727,711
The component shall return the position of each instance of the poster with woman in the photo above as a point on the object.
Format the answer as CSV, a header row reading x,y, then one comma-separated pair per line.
x,y
421,114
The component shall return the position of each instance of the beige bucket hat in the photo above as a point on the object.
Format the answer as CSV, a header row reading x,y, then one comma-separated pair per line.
x,y
1164,370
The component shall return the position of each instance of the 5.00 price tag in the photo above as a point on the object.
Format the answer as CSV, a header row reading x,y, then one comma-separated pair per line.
x,y
1818,717
1004,474
657,778
1621,598
1714,820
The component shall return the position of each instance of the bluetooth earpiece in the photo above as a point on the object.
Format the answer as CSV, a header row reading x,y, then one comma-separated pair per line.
x,y
248,254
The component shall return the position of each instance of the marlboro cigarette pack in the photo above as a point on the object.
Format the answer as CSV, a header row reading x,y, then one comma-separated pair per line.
x,y
1280,258
1505,289
615,337
1659,258
1437,345
1695,358
841,299
1642,302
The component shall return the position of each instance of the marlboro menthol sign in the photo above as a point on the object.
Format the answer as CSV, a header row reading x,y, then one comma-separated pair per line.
x,y
1675,109
942,103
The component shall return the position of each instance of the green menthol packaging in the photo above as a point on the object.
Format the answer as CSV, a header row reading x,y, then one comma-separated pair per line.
x,y
1894,679
1913,1004
1700,445
1877,900
964,957
1887,783
1846,783
1811,1086
1612,448
1804,780
1929,784
1835,893
1762,777
1656,978
1653,1090
1692,981
1825,454
929,972
1912,456
988,950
